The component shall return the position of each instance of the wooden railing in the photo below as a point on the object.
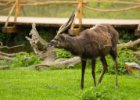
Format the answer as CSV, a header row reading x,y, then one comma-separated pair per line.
x,y
19,3
81,4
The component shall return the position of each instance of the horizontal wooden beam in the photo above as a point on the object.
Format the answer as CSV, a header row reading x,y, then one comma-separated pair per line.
x,y
59,21
51,2
117,2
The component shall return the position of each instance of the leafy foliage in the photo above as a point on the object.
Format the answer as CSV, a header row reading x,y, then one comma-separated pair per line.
x,y
25,60
101,93
61,53
4,38
5,63
124,55
126,36
95,94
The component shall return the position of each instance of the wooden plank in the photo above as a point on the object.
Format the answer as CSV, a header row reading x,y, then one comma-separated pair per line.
x,y
17,10
60,21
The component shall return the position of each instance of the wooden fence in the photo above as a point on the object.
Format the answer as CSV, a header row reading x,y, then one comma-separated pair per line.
x,y
81,4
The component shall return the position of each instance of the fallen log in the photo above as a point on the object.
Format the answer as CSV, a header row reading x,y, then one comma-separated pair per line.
x,y
7,56
130,44
6,47
59,63
38,44
137,53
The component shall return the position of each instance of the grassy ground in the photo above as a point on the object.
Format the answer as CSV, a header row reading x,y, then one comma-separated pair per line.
x,y
65,10
64,85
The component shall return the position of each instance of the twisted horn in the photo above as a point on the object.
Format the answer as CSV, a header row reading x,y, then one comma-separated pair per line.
x,y
65,26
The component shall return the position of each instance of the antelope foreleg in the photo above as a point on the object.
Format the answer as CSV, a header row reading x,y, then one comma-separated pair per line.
x,y
83,72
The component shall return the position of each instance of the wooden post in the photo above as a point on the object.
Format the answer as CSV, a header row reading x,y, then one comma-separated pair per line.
x,y
80,13
76,14
7,29
17,10
11,11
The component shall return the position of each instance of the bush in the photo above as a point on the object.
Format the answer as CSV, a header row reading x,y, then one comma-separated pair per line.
x,y
61,53
126,36
96,94
124,55
24,60
102,93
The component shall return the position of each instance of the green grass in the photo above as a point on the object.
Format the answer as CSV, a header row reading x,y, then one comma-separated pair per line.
x,y
50,11
62,85
66,10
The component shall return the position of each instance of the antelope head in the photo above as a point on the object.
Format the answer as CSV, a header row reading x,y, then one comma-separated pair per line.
x,y
58,40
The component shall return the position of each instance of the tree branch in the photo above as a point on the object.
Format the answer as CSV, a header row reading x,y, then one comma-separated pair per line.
x,y
130,44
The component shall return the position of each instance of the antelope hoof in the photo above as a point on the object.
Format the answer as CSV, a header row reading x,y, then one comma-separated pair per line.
x,y
117,86
82,86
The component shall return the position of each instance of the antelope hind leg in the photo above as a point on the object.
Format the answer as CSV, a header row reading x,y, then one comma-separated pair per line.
x,y
104,63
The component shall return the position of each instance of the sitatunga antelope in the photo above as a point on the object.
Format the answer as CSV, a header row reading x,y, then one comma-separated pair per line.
x,y
91,43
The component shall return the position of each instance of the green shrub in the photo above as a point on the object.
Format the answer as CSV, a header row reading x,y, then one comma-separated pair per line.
x,y
5,63
4,38
102,93
61,53
25,60
126,36
124,55
95,94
